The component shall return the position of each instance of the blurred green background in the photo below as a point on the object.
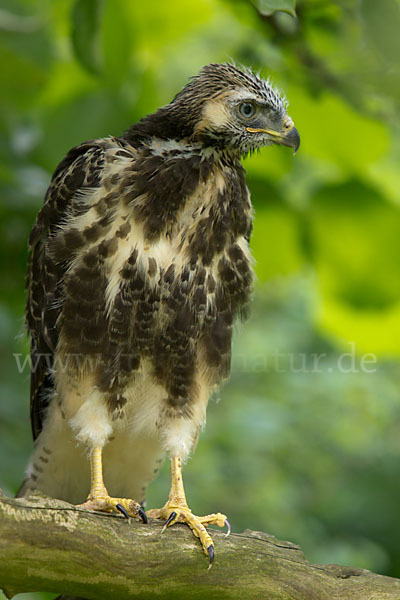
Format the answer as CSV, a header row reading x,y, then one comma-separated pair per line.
x,y
305,440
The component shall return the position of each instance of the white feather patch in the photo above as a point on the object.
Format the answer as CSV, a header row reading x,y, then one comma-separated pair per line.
x,y
178,437
92,423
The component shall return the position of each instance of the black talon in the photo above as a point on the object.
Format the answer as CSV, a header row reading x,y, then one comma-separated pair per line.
x,y
142,515
170,519
210,550
122,510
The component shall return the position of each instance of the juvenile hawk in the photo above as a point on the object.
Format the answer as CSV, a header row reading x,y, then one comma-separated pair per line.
x,y
139,265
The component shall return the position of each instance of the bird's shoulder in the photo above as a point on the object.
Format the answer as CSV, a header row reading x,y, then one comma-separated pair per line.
x,y
83,169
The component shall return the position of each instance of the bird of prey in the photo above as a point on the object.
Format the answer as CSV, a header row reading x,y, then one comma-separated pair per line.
x,y
139,265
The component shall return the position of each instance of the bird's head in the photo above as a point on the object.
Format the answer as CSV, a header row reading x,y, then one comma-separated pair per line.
x,y
236,109
227,108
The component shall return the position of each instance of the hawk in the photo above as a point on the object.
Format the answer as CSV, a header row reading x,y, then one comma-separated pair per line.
x,y
139,265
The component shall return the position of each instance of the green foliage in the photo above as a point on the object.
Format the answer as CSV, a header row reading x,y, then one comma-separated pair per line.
x,y
86,19
382,23
308,454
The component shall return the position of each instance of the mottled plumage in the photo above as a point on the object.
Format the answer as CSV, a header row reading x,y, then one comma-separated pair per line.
x,y
139,266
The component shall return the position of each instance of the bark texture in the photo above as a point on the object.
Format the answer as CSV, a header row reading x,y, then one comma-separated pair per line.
x,y
49,545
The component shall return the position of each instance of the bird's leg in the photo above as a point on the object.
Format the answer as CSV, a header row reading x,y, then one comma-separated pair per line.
x,y
99,499
176,510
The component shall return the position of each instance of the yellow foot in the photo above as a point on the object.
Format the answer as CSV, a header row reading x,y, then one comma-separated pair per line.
x,y
129,508
179,512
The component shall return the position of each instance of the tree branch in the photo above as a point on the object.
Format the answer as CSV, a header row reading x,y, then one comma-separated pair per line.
x,y
49,545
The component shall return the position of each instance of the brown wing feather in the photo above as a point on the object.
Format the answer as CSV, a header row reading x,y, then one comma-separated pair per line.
x,y
80,169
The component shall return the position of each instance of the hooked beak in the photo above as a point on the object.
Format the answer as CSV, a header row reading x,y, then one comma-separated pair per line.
x,y
289,137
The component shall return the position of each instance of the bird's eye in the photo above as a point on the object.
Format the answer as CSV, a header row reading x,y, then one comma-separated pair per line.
x,y
247,109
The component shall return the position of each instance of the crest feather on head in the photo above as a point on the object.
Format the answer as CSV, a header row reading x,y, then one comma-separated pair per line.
x,y
215,78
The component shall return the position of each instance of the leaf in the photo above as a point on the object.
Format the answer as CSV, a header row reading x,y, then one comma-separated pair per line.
x,y
269,7
382,25
116,38
355,239
86,19
356,244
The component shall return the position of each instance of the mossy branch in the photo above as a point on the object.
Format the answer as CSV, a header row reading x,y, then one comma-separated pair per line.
x,y
49,545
